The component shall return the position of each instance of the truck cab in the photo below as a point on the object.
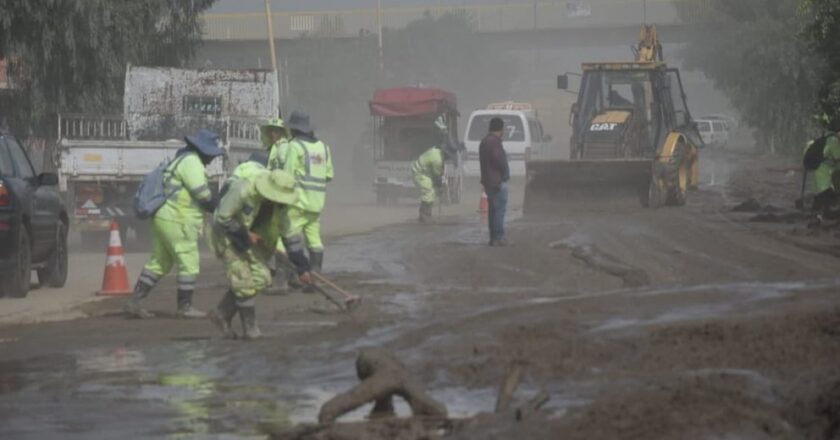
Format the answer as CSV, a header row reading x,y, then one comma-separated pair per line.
x,y
523,133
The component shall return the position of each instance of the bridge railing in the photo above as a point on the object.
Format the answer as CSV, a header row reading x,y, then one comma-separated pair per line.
x,y
525,15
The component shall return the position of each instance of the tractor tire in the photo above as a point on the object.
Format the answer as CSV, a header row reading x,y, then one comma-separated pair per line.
x,y
676,176
651,198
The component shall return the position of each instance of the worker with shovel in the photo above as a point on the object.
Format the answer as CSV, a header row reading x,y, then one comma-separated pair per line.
x,y
244,235
428,172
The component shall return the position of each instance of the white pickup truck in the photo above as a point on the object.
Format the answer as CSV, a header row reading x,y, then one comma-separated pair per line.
x,y
102,159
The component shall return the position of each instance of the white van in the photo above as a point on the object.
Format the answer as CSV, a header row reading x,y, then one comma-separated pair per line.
x,y
523,130
714,132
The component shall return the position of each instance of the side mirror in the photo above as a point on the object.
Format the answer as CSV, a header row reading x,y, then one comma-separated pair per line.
x,y
563,82
47,179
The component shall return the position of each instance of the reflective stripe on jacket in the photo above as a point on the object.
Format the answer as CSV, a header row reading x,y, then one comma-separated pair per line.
x,y
311,164
186,180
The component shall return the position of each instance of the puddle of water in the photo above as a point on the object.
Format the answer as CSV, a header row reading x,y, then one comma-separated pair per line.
x,y
675,315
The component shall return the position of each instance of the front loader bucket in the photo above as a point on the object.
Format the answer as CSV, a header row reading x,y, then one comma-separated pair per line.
x,y
556,185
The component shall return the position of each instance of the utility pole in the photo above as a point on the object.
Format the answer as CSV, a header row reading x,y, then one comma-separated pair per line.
x,y
379,34
273,54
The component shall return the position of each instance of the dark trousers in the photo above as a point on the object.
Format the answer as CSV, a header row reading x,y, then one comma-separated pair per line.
x,y
497,204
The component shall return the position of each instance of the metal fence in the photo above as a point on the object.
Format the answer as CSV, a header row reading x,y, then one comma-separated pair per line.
x,y
77,126
500,17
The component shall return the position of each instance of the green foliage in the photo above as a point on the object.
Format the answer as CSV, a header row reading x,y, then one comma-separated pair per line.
x,y
822,32
751,51
71,55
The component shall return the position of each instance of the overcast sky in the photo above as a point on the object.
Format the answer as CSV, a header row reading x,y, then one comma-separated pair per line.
x,y
299,5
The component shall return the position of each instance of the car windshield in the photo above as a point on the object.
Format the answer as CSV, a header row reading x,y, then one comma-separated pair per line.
x,y
514,130
704,126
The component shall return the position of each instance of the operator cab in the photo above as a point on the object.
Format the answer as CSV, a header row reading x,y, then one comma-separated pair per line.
x,y
619,113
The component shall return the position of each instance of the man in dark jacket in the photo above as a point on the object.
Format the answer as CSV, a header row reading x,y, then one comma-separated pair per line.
x,y
494,177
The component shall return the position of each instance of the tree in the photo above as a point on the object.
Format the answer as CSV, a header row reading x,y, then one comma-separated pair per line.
x,y
754,54
71,55
822,33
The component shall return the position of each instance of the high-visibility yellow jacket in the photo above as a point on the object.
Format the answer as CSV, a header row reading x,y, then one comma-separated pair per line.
x,y
310,161
186,180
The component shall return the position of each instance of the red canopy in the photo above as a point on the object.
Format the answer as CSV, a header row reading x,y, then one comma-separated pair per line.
x,y
411,101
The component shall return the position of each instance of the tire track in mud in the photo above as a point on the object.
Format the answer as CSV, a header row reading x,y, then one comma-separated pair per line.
x,y
597,259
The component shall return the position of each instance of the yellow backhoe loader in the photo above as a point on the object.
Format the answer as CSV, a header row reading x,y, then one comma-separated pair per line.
x,y
632,134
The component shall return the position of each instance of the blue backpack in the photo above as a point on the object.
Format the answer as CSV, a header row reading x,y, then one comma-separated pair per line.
x,y
151,194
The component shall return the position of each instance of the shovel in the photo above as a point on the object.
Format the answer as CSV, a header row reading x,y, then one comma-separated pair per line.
x,y
350,301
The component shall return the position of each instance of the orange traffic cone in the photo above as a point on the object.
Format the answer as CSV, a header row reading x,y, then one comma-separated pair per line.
x,y
115,280
483,206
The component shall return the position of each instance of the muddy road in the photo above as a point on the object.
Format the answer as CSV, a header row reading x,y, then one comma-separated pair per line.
x,y
696,323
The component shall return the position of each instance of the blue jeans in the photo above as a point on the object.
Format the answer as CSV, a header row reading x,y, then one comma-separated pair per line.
x,y
497,204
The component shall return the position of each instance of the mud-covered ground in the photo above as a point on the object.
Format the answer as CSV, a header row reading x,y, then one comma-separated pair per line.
x,y
697,322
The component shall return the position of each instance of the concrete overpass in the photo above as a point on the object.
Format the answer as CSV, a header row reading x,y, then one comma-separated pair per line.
x,y
238,39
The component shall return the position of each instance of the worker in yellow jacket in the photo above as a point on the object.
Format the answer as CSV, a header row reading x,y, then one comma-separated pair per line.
x,y
309,160
428,171
245,230
178,224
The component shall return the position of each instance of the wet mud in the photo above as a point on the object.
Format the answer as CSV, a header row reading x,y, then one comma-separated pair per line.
x,y
689,323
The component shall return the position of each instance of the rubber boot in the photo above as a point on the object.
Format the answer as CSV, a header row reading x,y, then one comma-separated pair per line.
x,y
224,313
292,279
316,260
248,315
279,284
134,307
185,307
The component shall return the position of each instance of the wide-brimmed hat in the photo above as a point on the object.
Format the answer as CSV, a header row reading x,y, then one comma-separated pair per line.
x,y
269,124
206,142
299,121
277,186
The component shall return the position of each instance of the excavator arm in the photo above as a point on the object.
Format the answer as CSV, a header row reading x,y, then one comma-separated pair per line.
x,y
649,48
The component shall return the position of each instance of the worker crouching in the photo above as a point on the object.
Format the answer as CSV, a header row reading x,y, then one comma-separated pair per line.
x,y
428,171
245,230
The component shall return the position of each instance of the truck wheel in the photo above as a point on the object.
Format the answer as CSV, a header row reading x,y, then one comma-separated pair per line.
x,y
676,176
17,283
55,274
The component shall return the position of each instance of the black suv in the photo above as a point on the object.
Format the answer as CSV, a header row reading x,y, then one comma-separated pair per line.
x,y
33,223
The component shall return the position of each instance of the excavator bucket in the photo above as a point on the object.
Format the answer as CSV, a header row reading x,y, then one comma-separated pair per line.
x,y
557,185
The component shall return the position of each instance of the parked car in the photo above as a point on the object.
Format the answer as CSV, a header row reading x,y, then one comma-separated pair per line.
x,y
33,223
714,132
